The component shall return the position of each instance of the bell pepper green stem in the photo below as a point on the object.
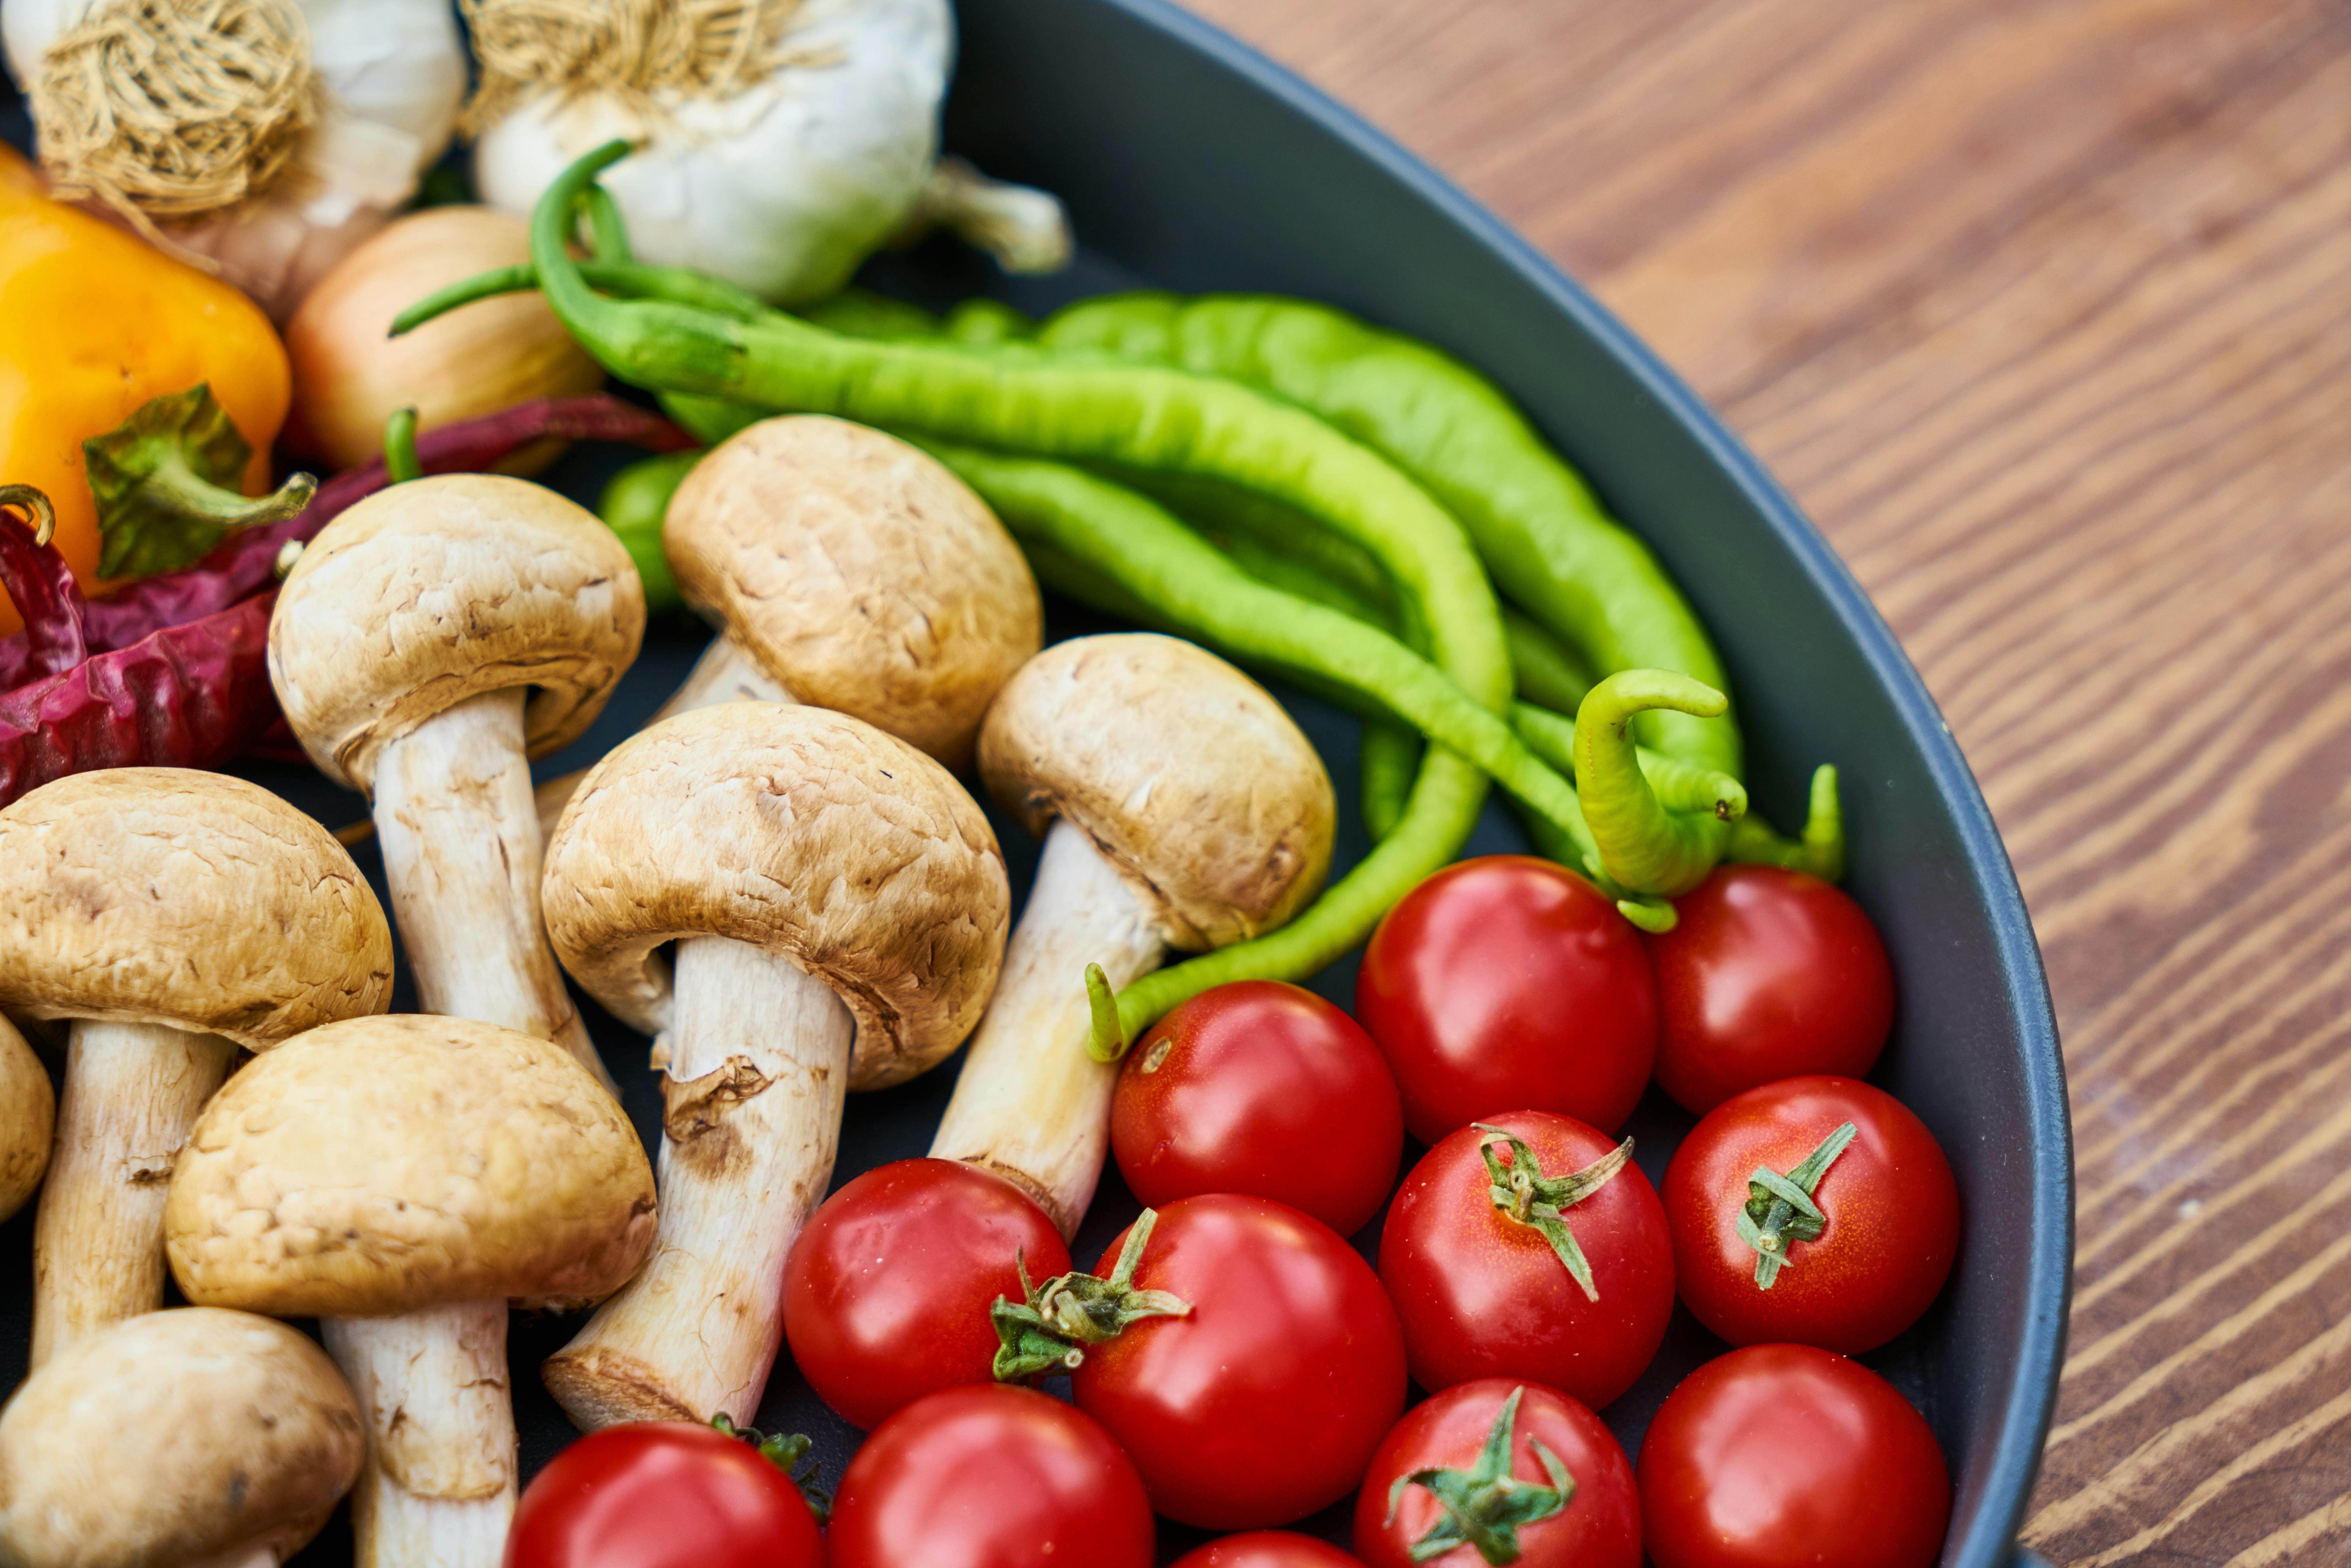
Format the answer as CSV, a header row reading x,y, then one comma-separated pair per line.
x,y
166,480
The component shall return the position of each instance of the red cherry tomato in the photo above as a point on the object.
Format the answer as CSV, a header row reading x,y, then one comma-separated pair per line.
x,y
1780,1456
1508,984
1265,1403
1600,1527
1483,1295
1261,1088
1890,1208
1268,1548
991,1477
662,1494
886,1290
1767,974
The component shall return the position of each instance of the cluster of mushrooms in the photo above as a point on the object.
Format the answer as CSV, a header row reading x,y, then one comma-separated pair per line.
x,y
781,880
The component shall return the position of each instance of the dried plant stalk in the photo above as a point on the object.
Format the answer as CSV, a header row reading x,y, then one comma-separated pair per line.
x,y
636,50
175,110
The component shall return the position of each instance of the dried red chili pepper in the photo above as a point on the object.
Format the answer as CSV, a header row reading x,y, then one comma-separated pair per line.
x,y
188,696
245,563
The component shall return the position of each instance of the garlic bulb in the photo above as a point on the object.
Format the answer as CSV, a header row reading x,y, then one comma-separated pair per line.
x,y
782,142
267,137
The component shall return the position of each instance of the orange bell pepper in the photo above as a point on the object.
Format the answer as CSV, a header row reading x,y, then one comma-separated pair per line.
x,y
98,323
19,177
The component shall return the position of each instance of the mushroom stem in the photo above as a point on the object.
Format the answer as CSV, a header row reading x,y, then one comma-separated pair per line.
x,y
132,1093
727,673
438,1483
462,850
752,1091
242,1557
1033,1105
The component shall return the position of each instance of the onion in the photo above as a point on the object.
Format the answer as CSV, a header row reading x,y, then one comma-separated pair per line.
x,y
781,140
349,378
261,139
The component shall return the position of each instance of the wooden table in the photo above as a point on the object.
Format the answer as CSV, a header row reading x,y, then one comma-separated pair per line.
x,y
2043,309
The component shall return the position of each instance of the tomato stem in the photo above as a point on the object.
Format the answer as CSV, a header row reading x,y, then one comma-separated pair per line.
x,y
1485,1504
1780,1209
785,1451
1521,1193
1050,1331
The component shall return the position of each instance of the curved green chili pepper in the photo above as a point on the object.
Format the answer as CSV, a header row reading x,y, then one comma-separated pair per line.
x,y
1679,786
1534,521
1645,846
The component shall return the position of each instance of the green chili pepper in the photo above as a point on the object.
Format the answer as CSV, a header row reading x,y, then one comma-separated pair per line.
x,y
1548,673
1389,759
634,504
1679,786
1645,846
1536,524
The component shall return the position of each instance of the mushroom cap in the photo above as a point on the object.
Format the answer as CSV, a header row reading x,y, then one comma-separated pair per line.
x,y
860,572
805,833
28,1108
442,589
1186,775
385,1165
171,897
172,1438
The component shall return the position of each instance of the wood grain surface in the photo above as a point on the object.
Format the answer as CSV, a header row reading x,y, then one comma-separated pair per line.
x,y
2043,309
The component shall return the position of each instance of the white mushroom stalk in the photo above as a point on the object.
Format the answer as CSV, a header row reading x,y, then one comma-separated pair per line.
x,y
1185,810
839,909
149,906
847,569
264,138
431,640
780,142
434,1169
211,1438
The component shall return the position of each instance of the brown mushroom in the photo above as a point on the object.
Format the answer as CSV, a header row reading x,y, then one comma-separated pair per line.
x,y
404,1178
1181,807
840,906
27,1116
173,917
192,1435
850,570
429,641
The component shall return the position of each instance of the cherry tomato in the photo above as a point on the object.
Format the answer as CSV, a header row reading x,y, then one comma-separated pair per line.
x,y
1890,1217
1509,984
991,1477
886,1290
1483,1294
1767,974
1268,1548
1261,1088
662,1494
1265,1403
1781,1456
1600,1527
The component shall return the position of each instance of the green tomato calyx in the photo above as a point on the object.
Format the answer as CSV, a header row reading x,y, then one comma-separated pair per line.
x,y
785,1451
1485,1504
1524,1196
1781,1210
1049,1332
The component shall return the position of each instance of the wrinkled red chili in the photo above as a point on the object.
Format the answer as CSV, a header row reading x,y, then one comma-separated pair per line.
x,y
172,671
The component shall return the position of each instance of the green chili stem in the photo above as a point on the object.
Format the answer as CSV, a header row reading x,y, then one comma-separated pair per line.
x,y
400,463
1644,847
1820,852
